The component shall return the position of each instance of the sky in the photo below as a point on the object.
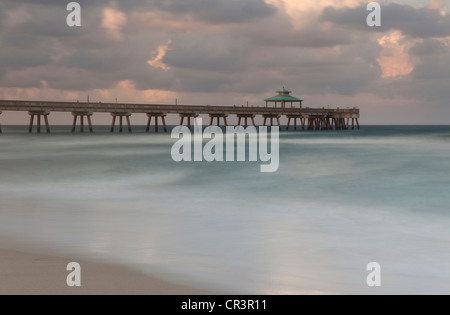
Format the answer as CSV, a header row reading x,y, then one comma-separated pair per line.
x,y
226,52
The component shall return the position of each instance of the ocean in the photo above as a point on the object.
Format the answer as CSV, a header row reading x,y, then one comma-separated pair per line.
x,y
340,200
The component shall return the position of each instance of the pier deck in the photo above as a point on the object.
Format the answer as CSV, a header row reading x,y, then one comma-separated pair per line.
x,y
311,118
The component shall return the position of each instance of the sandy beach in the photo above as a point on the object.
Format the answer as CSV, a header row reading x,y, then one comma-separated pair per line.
x,y
28,273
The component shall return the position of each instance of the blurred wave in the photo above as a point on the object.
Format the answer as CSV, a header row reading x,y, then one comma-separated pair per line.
x,y
339,201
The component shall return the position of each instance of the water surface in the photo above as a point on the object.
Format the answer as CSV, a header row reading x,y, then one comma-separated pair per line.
x,y
339,201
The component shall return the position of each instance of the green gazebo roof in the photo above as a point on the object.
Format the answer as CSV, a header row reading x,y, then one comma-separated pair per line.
x,y
286,98
283,96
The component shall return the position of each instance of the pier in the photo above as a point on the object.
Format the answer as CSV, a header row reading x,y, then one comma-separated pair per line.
x,y
308,118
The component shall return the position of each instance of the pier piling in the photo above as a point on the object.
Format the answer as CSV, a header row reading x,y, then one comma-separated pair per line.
x,y
39,115
156,116
293,117
82,115
188,116
121,116
272,117
217,116
246,117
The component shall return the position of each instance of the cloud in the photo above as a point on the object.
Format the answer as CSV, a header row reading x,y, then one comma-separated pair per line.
x,y
14,16
436,4
113,21
301,13
415,22
428,47
207,52
281,34
218,11
24,51
394,61
158,55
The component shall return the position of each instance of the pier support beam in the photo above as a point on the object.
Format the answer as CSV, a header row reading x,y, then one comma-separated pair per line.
x,y
39,114
156,116
303,121
337,124
294,117
0,123
343,124
121,116
218,116
188,116
310,123
329,123
246,117
88,115
272,117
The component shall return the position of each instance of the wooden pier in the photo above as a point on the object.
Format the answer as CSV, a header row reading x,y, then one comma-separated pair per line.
x,y
309,118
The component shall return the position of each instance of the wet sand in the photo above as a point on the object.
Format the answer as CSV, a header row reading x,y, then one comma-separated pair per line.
x,y
25,272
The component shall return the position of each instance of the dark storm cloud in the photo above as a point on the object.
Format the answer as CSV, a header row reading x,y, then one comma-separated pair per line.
x,y
213,11
282,35
17,53
209,52
416,22
29,36
59,3
433,67
343,72
85,58
424,90
201,82
218,11
428,47
97,59
51,22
